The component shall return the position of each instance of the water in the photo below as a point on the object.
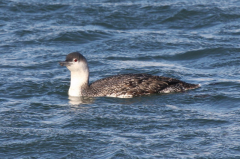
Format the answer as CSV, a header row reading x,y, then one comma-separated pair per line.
x,y
194,41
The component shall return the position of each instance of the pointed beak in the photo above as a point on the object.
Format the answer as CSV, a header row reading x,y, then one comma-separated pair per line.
x,y
64,63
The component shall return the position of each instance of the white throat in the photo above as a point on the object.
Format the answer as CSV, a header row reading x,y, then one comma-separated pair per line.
x,y
79,79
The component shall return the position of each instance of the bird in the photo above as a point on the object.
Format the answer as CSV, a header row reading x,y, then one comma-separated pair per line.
x,y
121,86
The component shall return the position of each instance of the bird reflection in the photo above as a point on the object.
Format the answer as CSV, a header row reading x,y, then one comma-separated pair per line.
x,y
80,100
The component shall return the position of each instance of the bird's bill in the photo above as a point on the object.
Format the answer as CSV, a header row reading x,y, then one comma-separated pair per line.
x,y
64,63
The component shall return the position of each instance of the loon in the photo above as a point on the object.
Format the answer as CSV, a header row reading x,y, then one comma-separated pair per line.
x,y
122,86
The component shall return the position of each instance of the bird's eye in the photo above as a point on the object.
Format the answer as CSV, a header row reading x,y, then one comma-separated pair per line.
x,y
75,60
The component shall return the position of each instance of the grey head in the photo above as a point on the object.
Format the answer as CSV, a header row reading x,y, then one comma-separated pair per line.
x,y
73,58
77,65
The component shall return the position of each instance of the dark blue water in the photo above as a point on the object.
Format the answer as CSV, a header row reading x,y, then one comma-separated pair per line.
x,y
194,41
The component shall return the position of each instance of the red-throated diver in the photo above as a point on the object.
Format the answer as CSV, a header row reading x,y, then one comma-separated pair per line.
x,y
123,86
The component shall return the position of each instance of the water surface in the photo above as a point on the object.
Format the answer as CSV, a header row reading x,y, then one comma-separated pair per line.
x,y
194,41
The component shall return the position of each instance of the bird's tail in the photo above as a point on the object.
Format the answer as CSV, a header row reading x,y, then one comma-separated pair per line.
x,y
188,86
179,87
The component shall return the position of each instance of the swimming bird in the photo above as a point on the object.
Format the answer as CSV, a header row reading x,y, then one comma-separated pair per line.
x,y
122,86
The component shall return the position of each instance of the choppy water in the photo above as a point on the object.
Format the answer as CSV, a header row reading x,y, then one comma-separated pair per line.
x,y
195,41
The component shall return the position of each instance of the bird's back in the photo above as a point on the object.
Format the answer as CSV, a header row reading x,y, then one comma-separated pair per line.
x,y
129,85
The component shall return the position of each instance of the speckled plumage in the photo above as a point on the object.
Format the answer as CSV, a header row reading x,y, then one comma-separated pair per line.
x,y
136,85
126,85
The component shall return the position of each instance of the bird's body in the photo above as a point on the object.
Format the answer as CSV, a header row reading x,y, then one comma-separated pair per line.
x,y
123,86
130,85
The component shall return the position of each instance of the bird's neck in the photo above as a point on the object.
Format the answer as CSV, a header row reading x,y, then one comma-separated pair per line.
x,y
79,82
